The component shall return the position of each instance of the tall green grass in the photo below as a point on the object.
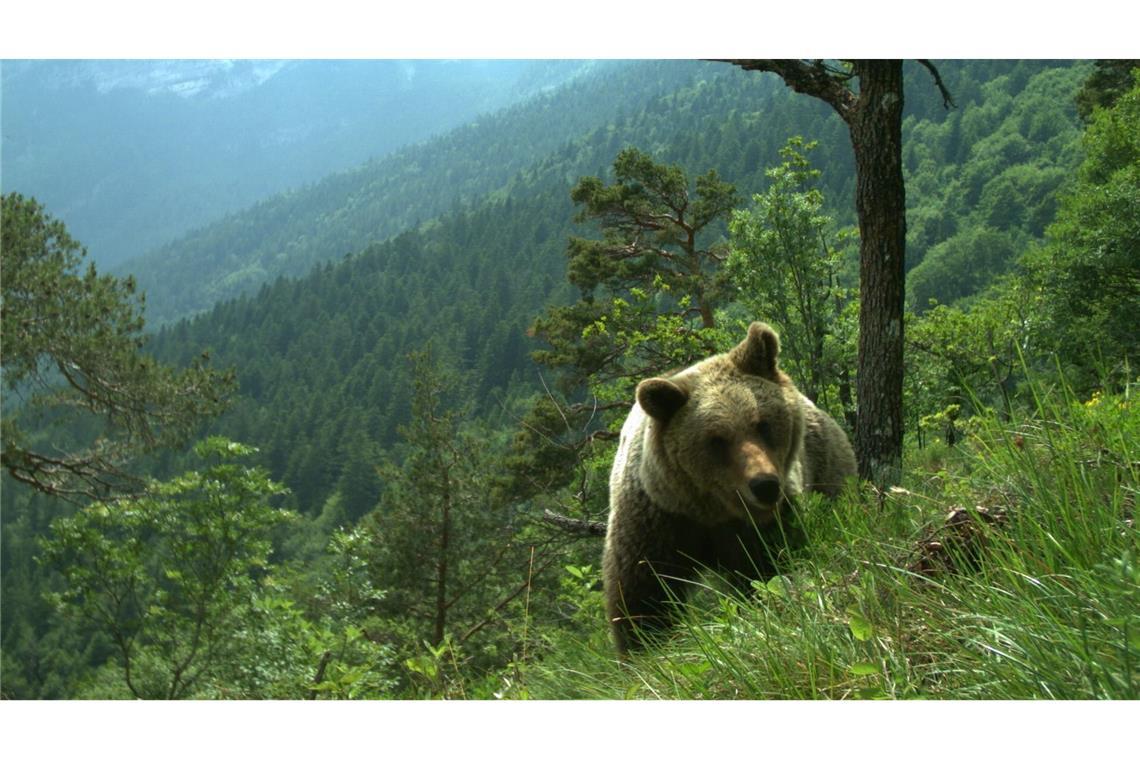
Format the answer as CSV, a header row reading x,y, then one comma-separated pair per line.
x,y
1031,588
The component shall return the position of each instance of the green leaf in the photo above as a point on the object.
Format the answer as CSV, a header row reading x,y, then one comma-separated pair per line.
x,y
861,628
694,669
864,668
779,586
422,665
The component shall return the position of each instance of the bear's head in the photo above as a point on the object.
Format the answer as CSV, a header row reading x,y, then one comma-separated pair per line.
x,y
724,439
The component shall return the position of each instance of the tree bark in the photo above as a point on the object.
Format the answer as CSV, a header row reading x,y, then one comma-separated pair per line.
x,y
880,201
320,676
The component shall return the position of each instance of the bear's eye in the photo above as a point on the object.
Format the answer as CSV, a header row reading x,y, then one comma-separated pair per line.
x,y
718,446
764,430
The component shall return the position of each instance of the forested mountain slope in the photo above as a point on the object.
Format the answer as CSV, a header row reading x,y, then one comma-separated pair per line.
x,y
287,234
984,183
343,213
321,359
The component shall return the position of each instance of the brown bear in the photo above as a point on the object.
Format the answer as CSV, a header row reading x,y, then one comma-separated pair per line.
x,y
707,462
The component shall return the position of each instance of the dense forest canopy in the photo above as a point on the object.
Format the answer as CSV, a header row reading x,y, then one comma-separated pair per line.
x,y
432,353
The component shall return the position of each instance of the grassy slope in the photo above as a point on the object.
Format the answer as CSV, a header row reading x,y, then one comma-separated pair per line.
x,y
1037,595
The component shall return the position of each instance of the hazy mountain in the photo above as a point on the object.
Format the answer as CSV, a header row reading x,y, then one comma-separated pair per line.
x,y
130,154
290,232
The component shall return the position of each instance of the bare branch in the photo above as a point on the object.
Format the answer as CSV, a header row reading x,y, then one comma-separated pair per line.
x,y
947,99
575,527
492,614
90,475
320,676
813,78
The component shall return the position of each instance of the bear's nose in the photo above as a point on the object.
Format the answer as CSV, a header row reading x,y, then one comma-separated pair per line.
x,y
766,488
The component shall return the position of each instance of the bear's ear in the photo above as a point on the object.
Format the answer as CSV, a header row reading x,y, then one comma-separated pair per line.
x,y
661,398
757,354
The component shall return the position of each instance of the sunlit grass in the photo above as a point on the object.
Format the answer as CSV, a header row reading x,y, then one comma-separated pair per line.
x,y
1005,568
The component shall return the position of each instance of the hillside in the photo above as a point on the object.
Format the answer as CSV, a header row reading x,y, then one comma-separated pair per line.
x,y
288,234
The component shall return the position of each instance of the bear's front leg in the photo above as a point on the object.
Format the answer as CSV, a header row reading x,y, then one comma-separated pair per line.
x,y
650,559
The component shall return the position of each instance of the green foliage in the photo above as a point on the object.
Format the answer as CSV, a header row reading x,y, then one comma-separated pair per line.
x,y
1109,80
72,342
1089,270
960,266
785,269
1073,298
654,261
984,181
963,360
299,641
165,574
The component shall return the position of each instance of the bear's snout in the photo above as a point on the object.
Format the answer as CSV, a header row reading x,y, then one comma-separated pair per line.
x,y
766,488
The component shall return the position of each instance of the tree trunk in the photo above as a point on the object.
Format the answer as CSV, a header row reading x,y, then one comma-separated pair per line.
x,y
874,119
880,201
440,627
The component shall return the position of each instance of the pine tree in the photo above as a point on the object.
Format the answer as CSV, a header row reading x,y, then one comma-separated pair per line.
x,y
648,296
441,543
72,342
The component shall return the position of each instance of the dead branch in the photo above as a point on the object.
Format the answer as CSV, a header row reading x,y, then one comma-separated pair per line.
x,y
813,78
574,527
947,100
320,676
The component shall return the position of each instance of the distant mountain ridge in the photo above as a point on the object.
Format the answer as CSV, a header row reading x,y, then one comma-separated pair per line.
x,y
343,213
188,78
132,154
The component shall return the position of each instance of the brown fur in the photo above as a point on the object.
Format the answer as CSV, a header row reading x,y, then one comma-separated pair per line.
x,y
708,459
